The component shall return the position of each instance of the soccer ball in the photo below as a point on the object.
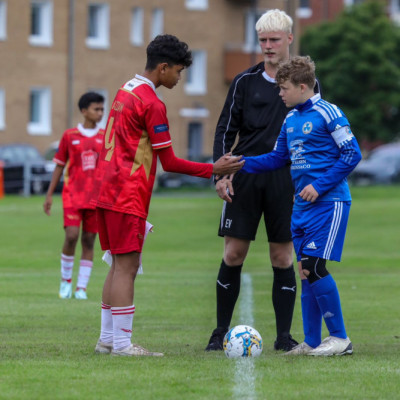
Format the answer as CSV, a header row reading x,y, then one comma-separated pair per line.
x,y
243,341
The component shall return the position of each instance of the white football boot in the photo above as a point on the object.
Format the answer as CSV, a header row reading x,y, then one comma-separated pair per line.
x,y
300,350
135,350
80,294
65,290
103,348
333,346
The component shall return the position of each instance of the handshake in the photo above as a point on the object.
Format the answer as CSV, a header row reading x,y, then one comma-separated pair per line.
x,y
228,164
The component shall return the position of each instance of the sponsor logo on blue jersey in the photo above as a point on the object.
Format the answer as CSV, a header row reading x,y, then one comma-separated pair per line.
x,y
160,128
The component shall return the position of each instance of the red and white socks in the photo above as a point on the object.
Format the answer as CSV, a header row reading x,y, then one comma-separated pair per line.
x,y
67,265
122,320
106,332
85,269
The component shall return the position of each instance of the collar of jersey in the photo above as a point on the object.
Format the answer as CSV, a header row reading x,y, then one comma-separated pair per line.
x,y
148,81
309,103
88,132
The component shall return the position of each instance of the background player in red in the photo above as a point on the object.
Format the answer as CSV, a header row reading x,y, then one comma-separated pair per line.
x,y
78,154
137,133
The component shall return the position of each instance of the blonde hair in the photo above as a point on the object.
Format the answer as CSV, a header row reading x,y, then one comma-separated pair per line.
x,y
274,21
297,70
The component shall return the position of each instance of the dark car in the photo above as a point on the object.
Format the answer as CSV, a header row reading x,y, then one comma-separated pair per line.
x,y
172,180
15,158
382,166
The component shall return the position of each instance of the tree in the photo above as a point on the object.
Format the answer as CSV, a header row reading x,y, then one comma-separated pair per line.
x,y
357,61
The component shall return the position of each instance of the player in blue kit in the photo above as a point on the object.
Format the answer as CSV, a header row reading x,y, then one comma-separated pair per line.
x,y
316,138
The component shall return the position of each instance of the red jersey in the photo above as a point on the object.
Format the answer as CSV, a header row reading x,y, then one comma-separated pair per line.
x,y
78,152
136,126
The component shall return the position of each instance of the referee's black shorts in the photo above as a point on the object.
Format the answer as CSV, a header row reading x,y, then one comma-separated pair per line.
x,y
271,194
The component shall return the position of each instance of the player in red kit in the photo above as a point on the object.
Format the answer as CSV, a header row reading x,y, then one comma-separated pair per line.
x,y
77,158
137,133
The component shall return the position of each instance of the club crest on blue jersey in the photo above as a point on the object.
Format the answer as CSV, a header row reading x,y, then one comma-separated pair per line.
x,y
160,128
307,127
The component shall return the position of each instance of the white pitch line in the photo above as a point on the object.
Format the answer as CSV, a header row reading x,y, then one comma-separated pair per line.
x,y
244,387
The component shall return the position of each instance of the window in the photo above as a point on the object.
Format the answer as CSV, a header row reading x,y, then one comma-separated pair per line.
x,y
104,93
41,23
98,26
137,38
195,140
196,74
157,25
2,109
196,4
3,20
304,11
251,38
40,111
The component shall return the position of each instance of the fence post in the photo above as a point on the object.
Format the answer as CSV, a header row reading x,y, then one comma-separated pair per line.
x,y
1,179
27,178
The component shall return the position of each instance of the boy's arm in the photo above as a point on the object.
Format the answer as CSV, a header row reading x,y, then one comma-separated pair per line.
x,y
223,166
276,159
350,156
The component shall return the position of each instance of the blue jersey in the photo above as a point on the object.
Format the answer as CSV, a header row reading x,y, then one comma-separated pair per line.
x,y
316,138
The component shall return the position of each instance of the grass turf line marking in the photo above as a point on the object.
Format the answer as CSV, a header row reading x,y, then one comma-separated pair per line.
x,y
244,366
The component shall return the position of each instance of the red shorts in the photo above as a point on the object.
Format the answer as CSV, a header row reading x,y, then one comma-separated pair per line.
x,y
74,217
120,233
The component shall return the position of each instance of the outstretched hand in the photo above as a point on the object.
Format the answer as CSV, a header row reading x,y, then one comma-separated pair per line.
x,y
228,164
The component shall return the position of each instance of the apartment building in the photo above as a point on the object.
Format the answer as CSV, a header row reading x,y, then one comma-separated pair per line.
x,y
311,12
52,51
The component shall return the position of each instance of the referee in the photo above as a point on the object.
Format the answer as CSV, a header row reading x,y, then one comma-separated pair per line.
x,y
249,125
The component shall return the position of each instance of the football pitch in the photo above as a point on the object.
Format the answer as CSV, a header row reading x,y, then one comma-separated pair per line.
x,y
47,344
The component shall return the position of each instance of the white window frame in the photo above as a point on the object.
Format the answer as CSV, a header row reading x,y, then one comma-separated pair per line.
x,y
2,109
251,44
43,126
304,12
196,79
3,20
104,93
102,40
137,25
157,22
198,5
45,36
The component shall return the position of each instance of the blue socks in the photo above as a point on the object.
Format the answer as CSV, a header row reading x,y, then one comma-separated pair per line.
x,y
312,316
327,296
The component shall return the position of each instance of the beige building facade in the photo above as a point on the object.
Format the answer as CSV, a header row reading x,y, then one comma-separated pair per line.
x,y
52,51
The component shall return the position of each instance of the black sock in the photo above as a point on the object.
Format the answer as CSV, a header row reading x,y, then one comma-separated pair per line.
x,y
283,298
228,288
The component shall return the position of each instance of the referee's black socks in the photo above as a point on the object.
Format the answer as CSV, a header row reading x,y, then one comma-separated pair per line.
x,y
228,288
283,298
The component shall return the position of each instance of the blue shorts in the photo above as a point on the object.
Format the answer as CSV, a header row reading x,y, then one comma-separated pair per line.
x,y
319,230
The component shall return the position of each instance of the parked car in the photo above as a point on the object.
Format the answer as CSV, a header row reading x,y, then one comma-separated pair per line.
x,y
173,180
381,166
50,164
15,157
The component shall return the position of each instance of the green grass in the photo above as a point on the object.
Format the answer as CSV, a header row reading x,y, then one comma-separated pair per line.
x,y
46,344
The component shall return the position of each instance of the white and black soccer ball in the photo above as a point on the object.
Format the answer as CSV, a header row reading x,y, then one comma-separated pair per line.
x,y
243,341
